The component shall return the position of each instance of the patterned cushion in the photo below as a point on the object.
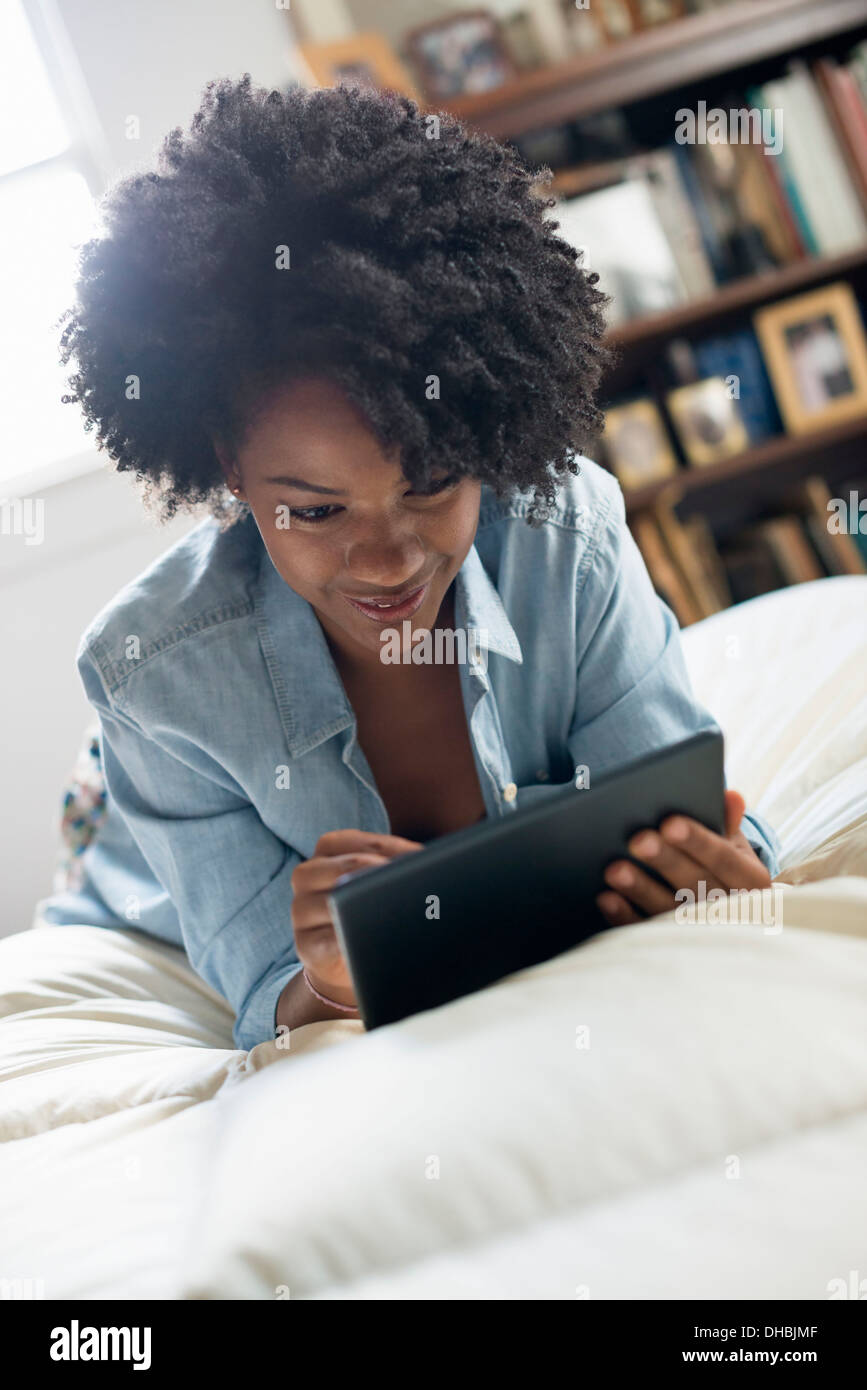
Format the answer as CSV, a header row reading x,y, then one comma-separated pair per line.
x,y
83,810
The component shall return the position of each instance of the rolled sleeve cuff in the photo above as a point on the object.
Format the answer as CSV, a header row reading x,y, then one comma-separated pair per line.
x,y
257,1022
763,840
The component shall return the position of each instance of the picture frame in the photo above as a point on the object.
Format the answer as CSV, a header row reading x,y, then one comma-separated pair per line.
x,y
362,59
583,27
636,444
815,350
650,13
618,19
707,422
460,54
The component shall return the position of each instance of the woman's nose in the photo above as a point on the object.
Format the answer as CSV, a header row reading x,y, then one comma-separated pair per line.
x,y
386,560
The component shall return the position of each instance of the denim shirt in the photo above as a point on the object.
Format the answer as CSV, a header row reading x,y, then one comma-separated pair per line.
x,y
229,745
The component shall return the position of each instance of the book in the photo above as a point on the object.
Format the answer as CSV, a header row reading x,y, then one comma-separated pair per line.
x,y
837,550
677,218
619,231
781,169
816,164
763,204
751,568
793,553
738,355
687,559
848,115
858,67
701,538
720,165
664,573
706,214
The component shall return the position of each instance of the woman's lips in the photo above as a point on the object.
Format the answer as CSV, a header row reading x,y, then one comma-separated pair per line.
x,y
394,612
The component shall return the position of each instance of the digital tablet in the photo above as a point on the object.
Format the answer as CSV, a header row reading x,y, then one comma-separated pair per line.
x,y
480,903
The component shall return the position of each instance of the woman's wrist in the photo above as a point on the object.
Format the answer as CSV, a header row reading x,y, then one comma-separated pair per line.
x,y
329,995
298,1005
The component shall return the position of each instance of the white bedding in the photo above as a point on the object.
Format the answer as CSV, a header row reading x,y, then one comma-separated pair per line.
x,y
710,1141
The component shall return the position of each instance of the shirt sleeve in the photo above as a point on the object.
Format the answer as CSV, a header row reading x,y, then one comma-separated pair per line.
x,y
227,875
633,694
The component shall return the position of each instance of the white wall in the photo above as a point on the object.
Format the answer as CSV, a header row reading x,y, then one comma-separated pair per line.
x,y
150,60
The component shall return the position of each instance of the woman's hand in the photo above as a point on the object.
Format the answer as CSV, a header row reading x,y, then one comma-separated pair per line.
x,y
338,852
683,852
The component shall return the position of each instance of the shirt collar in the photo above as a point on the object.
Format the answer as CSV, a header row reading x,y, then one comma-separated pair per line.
x,y
310,696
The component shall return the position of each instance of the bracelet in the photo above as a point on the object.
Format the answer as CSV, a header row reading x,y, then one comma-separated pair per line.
x,y
332,1003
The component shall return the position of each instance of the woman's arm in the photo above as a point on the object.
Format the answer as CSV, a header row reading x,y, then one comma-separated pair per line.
x,y
226,875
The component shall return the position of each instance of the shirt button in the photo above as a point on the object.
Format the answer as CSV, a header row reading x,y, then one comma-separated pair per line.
x,y
510,792
542,775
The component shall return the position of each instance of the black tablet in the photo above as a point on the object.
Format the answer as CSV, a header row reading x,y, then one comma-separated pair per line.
x,y
483,902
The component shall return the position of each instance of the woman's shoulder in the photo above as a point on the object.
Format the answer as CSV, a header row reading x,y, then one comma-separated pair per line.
x,y
584,502
586,518
205,579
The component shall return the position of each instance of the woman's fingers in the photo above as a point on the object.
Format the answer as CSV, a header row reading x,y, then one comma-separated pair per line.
x,y
729,862
313,881
335,842
678,869
316,874
337,852
734,809
616,910
639,888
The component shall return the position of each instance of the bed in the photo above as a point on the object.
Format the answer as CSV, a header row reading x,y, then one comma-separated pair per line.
x,y
669,1111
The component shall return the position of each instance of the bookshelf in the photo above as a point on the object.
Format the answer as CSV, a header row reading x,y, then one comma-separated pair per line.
x,y
657,60
760,470
731,300
745,46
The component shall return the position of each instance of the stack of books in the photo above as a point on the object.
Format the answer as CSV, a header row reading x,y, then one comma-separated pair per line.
x,y
790,182
697,577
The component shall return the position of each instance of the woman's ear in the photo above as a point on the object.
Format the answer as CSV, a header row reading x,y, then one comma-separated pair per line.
x,y
229,468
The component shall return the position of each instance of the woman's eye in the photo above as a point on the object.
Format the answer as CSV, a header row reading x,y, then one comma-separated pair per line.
x,y
440,485
312,514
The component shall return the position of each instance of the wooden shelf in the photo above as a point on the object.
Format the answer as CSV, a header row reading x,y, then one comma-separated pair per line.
x,y
797,454
654,61
732,299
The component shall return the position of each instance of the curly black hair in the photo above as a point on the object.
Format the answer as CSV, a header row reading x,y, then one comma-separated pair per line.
x,y
345,233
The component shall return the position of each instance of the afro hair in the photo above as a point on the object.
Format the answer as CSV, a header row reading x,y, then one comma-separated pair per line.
x,y
348,234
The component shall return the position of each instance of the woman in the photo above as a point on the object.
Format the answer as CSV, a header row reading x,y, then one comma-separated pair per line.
x,y
351,331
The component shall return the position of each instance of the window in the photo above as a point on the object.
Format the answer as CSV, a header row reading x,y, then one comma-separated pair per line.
x,y
46,211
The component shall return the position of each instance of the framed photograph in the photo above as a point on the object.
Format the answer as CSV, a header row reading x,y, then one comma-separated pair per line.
x,y
618,18
707,421
363,60
815,349
585,30
636,444
461,54
651,12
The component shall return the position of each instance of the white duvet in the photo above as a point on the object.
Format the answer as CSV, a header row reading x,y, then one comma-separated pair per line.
x,y
670,1111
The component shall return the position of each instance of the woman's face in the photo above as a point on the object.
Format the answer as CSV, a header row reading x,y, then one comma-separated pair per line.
x,y
357,534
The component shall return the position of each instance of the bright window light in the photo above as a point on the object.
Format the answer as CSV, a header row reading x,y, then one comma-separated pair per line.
x,y
31,125
44,216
